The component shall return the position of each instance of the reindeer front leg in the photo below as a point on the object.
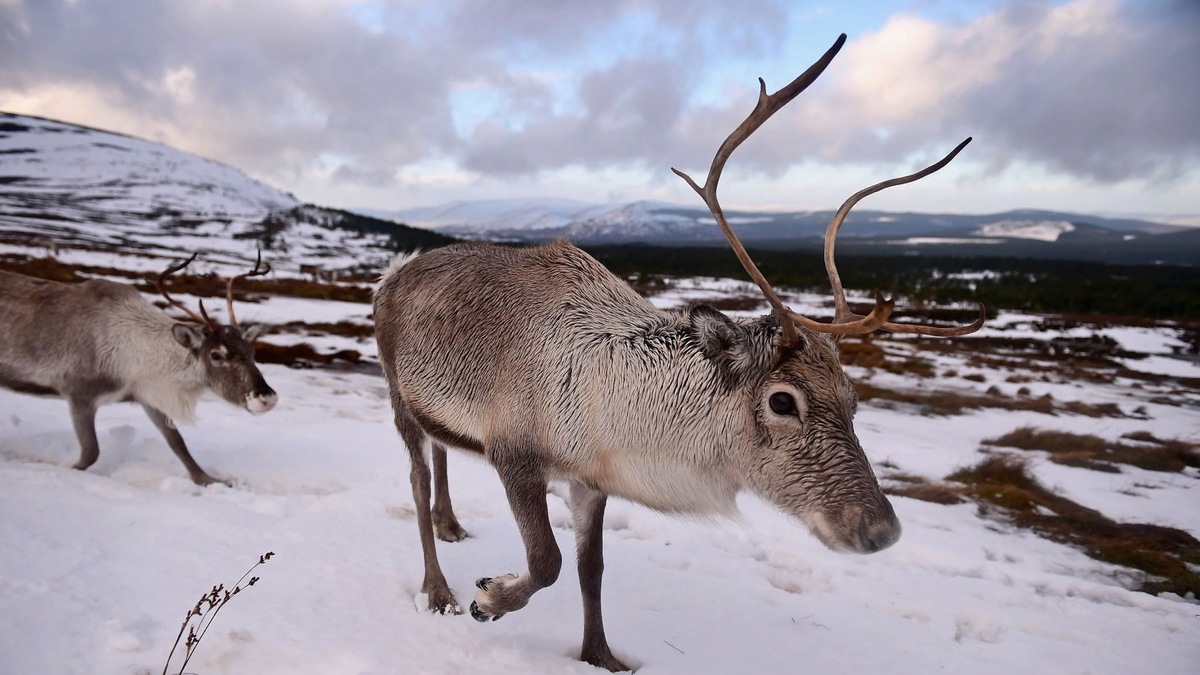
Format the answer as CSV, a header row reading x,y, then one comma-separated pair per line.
x,y
83,417
587,512
175,441
524,482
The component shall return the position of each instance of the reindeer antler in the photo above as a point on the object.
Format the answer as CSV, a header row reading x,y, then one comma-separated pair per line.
x,y
845,322
158,283
256,272
842,309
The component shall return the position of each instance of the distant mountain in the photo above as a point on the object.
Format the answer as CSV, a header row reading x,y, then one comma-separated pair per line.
x,y
1011,233
87,188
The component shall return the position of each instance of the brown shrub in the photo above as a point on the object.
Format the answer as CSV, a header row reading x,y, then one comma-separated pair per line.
x,y
1167,554
341,328
937,493
864,353
744,303
1093,452
951,402
302,355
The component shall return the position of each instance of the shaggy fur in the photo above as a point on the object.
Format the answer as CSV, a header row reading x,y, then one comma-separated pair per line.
x,y
99,341
553,368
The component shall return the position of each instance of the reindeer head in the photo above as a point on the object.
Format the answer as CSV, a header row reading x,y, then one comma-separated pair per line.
x,y
224,353
808,461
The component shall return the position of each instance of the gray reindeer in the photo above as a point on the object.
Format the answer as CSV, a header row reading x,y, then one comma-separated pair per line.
x,y
99,341
552,368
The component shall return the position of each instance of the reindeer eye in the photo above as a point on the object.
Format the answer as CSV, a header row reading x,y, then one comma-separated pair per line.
x,y
782,403
216,356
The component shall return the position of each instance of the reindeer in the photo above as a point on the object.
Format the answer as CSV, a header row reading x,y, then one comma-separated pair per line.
x,y
313,271
99,341
552,368
48,245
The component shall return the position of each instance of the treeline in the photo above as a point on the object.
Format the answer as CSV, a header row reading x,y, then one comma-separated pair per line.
x,y
1052,286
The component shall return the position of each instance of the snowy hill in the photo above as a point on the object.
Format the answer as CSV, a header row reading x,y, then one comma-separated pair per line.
x,y
90,189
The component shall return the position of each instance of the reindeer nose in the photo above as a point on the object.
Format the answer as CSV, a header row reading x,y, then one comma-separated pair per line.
x,y
880,533
261,401
881,536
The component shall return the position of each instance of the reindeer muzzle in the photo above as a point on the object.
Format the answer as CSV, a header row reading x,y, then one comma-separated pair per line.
x,y
262,400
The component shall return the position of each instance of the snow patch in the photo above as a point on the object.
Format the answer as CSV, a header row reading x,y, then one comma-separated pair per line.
x,y
1041,230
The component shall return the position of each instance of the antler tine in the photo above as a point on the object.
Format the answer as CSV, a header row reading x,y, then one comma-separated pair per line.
x,y
766,106
158,283
856,325
256,272
842,312
839,296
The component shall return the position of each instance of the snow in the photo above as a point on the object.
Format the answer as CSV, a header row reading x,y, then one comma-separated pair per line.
x,y
89,189
98,568
1163,365
1041,230
920,241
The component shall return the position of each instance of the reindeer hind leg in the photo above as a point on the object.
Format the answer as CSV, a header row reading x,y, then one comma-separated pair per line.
x,y
445,524
441,598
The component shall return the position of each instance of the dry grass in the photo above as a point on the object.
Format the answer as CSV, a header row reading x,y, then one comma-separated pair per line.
x,y
937,493
203,286
946,402
341,328
866,353
207,607
1002,485
52,270
302,355
1093,452
744,303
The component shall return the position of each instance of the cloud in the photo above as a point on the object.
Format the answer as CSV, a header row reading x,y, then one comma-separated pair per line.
x,y
1091,89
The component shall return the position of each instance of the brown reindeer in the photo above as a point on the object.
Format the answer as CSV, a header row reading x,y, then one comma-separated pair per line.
x,y
99,341
552,368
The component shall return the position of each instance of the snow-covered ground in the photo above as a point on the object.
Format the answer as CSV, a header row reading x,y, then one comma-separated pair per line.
x,y
98,568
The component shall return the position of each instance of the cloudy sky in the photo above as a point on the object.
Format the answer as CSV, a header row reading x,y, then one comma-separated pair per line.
x,y
1086,105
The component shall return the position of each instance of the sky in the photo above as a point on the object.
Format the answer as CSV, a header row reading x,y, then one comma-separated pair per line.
x,y
1084,105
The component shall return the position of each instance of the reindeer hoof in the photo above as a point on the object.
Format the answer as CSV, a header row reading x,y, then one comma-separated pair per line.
x,y
205,479
450,532
478,614
442,602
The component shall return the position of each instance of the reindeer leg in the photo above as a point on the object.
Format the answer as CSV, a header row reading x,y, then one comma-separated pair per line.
x,y
441,598
445,525
587,511
175,440
83,417
525,484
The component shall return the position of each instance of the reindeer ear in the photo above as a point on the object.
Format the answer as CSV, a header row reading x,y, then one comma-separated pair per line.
x,y
251,333
715,332
726,343
189,336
